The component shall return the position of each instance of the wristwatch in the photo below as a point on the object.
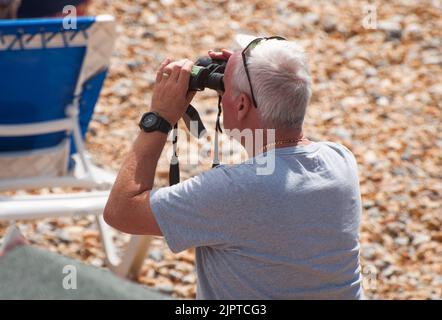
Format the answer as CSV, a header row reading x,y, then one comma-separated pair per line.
x,y
152,121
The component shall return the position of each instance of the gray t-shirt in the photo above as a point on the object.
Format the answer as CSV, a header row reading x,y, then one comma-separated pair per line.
x,y
292,234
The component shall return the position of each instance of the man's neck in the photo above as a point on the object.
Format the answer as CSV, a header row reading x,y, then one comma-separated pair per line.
x,y
283,138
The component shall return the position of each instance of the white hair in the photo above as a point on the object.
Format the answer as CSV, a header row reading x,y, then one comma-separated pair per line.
x,y
281,82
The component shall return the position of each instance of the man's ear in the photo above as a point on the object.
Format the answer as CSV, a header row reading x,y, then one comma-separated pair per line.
x,y
243,106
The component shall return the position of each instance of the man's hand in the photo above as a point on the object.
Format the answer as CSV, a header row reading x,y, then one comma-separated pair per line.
x,y
171,96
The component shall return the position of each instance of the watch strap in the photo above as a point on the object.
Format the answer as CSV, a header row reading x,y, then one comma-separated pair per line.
x,y
164,125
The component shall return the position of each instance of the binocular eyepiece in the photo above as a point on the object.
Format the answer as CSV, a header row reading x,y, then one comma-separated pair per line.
x,y
207,73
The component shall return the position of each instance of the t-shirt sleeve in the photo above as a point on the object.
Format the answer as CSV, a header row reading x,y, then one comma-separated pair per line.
x,y
196,212
345,153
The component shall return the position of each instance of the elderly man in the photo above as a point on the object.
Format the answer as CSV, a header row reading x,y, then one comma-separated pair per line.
x,y
290,234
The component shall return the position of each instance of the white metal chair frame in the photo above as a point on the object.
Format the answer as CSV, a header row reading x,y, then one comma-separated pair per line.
x,y
85,174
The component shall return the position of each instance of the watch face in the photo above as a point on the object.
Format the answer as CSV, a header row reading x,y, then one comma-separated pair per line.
x,y
149,120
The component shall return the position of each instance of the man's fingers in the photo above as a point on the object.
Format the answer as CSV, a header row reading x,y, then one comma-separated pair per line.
x,y
161,70
227,53
186,69
176,69
223,55
216,55
173,69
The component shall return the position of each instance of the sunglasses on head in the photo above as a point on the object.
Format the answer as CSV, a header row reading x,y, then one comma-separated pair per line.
x,y
246,53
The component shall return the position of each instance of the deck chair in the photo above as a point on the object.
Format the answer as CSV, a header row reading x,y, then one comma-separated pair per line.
x,y
50,80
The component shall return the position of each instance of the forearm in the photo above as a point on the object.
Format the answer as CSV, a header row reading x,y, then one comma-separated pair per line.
x,y
137,173
127,205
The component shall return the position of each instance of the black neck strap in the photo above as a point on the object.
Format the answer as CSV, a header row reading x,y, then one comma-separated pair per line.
x,y
218,126
192,114
215,162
